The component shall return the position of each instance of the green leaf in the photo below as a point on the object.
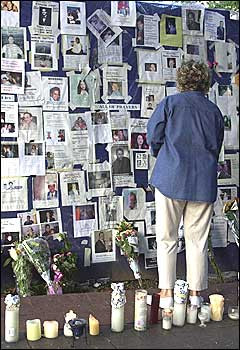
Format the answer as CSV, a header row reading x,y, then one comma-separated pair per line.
x,y
7,261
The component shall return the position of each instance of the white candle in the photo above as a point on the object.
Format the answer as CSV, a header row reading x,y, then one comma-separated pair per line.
x,y
117,319
217,307
33,329
140,314
50,329
167,319
11,325
192,314
179,314
93,325
206,307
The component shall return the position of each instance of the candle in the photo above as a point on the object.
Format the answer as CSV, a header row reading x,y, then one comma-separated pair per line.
x,y
217,307
205,307
50,329
12,325
179,313
192,314
167,319
33,329
140,314
93,325
118,300
154,308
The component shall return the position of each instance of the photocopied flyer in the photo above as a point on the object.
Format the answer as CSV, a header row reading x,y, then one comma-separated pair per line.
x,y
14,193
147,31
10,231
33,93
10,13
215,28
103,246
123,13
73,17
45,18
73,188
12,76
9,119
84,219
45,191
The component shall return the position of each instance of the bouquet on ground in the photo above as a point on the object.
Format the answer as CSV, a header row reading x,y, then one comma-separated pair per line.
x,y
231,214
126,238
63,264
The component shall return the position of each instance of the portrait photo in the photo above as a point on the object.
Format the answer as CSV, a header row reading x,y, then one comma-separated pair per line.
x,y
73,15
138,140
11,78
151,243
9,151
45,16
27,121
49,159
7,129
225,90
114,89
73,189
107,35
120,160
10,6
140,30
85,212
111,213
103,241
120,135
32,231
33,149
171,25
9,238
193,19
49,229
12,44
171,62
224,170
99,118
29,218
151,67
97,24
192,49
48,215
76,45
227,122
99,179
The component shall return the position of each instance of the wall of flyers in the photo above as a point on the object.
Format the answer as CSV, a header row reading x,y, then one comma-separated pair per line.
x,y
79,82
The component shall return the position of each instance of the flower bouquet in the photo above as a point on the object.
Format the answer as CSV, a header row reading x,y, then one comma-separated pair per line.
x,y
231,214
12,301
126,238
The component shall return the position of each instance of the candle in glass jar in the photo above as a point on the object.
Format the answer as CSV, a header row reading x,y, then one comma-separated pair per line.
x,y
217,307
192,314
205,307
117,319
167,319
33,329
50,329
93,325
179,314
140,312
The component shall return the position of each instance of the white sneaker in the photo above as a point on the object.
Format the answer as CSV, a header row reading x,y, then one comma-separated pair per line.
x,y
196,300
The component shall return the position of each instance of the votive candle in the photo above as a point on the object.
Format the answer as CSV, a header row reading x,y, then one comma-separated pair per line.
x,y
33,329
217,307
206,307
93,325
140,313
117,319
192,314
167,319
50,329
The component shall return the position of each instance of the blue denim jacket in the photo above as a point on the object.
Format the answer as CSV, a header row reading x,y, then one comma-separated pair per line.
x,y
185,134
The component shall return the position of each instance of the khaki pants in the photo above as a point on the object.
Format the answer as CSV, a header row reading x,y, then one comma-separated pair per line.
x,y
196,218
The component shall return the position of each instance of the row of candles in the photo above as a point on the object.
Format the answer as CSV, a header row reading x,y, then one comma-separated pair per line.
x,y
74,326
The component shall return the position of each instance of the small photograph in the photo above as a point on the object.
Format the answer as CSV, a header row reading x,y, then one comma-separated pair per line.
x,y
99,118
192,49
12,44
7,128
227,122
75,46
115,42
103,241
3,116
43,48
107,35
224,170
28,218
120,135
120,160
225,194
49,229
8,186
79,124
99,179
220,31
9,151
171,62
9,238
9,6
85,212
48,215
43,61
61,135
150,67
52,192
55,94
111,213
73,15
97,24
45,16
11,78
225,90
33,149
171,25
123,8
140,30
73,189
82,90
114,89
27,121
38,189
130,200
153,217
30,231
49,160
151,243
138,141
193,19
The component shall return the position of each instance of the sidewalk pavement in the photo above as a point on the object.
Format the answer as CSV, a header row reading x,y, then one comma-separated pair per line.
x,y
217,335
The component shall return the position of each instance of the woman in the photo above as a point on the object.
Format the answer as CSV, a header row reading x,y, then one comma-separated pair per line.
x,y
185,134
140,142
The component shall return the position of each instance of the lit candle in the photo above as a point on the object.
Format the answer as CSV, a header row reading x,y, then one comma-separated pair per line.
x,y
206,307
217,307
50,329
192,314
118,300
179,314
33,329
93,325
140,314
167,319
